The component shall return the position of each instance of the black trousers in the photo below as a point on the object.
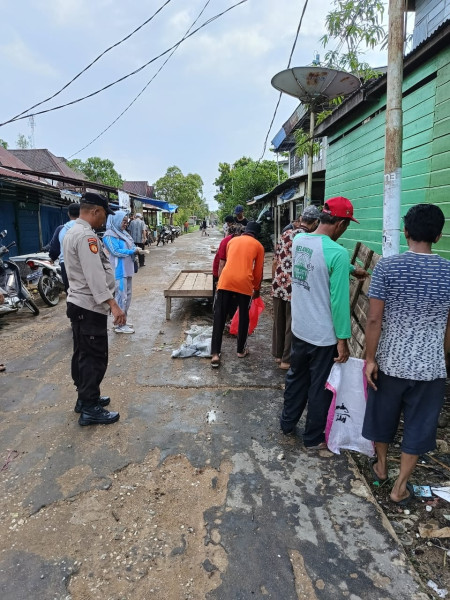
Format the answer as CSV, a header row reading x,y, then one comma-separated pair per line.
x,y
90,352
141,256
223,303
305,384
64,276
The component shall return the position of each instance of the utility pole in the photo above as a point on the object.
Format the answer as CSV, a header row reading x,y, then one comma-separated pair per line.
x,y
310,157
394,131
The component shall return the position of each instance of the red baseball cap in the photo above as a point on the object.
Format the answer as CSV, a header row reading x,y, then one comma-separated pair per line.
x,y
339,207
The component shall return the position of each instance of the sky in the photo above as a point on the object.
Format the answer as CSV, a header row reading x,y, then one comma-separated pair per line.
x,y
212,102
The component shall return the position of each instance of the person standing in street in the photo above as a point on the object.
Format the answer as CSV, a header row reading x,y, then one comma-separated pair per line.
x,y
239,281
74,213
136,229
89,301
320,320
121,250
239,216
282,287
407,341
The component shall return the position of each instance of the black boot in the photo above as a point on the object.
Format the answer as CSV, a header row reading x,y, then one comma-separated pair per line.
x,y
103,401
96,415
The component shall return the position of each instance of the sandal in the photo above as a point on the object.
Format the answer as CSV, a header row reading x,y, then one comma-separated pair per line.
x,y
244,354
2,368
408,499
375,477
215,362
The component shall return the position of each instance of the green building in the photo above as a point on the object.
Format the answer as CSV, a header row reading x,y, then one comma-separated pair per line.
x,y
356,144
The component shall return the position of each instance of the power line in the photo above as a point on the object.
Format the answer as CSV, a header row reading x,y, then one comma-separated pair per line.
x,y
146,86
129,74
289,64
92,63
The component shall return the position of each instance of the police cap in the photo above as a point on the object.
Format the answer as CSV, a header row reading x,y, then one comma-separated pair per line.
x,y
97,200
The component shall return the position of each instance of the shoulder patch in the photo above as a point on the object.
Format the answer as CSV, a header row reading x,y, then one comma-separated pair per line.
x,y
93,245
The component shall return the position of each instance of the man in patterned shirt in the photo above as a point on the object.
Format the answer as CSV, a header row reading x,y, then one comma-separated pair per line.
x,y
407,338
281,284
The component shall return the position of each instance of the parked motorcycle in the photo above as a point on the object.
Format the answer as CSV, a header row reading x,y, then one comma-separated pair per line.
x,y
17,296
49,280
164,235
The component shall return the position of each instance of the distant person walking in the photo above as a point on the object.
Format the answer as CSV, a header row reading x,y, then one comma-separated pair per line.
x,y
186,226
203,227
407,339
239,280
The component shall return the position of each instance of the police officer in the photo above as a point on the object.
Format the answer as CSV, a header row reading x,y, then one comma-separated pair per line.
x,y
89,301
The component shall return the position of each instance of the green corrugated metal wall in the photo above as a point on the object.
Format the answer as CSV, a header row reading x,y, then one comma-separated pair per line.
x,y
355,158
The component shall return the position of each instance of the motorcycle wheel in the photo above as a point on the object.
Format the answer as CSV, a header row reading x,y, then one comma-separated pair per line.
x,y
48,291
29,303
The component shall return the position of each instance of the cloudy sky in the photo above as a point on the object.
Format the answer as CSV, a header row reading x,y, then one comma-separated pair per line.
x,y
211,103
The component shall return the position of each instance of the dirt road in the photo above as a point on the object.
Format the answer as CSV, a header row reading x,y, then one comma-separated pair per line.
x,y
194,493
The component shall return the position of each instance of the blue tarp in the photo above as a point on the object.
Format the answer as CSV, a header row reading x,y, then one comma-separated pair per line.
x,y
170,208
288,194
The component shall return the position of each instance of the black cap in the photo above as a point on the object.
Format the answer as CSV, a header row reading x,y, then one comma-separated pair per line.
x,y
253,227
96,200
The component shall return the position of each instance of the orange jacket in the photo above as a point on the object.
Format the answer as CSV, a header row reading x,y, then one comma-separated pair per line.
x,y
243,270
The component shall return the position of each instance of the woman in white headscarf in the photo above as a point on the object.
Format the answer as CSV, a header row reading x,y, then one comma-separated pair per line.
x,y
122,251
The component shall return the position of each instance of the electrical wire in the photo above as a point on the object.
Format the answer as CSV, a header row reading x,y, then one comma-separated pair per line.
x,y
289,64
145,87
129,74
91,64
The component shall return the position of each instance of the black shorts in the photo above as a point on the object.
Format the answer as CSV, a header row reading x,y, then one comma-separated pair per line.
x,y
419,401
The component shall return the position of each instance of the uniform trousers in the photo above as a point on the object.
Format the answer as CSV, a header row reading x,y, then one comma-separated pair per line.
x,y
90,352
281,332
305,384
224,301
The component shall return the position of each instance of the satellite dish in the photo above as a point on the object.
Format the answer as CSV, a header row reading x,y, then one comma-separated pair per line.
x,y
315,85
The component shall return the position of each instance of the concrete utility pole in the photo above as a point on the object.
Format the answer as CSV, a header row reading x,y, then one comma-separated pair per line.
x,y
394,131
310,157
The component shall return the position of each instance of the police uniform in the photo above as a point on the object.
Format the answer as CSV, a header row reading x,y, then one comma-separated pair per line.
x,y
91,284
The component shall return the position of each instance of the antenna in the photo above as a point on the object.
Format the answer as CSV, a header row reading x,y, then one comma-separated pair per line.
x,y
32,127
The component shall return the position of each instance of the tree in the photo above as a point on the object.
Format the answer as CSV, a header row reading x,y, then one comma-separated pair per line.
x,y
100,170
186,191
355,25
243,180
23,142
4,144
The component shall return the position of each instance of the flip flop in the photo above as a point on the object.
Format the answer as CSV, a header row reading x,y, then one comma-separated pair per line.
x,y
215,362
375,477
408,499
2,368
244,354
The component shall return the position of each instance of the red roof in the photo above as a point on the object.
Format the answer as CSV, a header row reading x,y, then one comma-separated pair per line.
x,y
7,159
43,160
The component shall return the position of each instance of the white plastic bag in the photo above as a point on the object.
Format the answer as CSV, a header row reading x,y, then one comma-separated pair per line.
x,y
347,382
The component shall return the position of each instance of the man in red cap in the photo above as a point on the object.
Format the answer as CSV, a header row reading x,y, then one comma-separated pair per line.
x,y
320,320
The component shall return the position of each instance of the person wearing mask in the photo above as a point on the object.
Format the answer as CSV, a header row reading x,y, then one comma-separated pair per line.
x,y
122,251
239,281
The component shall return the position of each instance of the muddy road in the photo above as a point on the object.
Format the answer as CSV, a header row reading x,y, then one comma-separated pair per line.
x,y
194,493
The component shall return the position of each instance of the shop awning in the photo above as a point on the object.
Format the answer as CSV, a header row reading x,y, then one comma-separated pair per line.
x,y
158,204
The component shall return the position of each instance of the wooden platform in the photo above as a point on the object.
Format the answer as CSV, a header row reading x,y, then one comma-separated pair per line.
x,y
189,284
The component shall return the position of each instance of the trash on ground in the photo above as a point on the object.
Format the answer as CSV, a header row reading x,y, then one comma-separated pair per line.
x,y
198,343
442,492
211,416
422,491
442,593
431,530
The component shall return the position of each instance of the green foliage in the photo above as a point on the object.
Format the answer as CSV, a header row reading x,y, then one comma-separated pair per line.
x,y
303,144
244,179
356,25
100,170
4,144
186,191
23,142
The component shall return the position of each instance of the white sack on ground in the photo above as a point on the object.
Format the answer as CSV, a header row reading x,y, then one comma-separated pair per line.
x,y
198,343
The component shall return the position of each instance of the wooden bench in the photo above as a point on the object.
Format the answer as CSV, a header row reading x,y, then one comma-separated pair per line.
x,y
189,284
